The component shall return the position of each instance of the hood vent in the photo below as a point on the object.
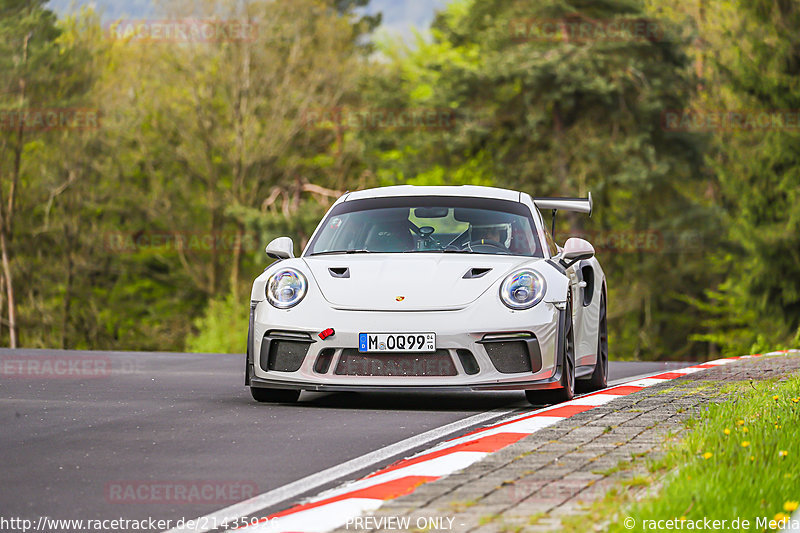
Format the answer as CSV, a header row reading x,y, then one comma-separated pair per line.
x,y
430,282
475,273
340,272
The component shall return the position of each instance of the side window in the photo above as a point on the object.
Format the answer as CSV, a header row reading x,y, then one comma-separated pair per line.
x,y
545,235
551,244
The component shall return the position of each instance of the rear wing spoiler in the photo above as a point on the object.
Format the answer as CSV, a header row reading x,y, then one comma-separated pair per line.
x,y
579,205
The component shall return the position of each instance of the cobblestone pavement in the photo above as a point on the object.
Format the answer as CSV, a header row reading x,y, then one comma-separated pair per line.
x,y
561,469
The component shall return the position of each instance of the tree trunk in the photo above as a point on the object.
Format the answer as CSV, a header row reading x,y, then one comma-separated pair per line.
x,y
12,311
242,111
67,302
6,218
71,238
237,256
213,277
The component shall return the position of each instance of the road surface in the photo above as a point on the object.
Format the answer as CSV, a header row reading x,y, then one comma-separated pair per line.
x,y
86,446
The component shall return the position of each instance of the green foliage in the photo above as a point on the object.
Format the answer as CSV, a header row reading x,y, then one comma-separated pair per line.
x,y
213,140
128,232
221,328
749,55
564,118
766,226
739,329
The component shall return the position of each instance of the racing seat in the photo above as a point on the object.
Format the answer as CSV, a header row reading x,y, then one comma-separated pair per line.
x,y
389,236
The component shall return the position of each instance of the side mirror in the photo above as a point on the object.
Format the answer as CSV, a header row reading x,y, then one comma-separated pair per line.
x,y
281,248
576,250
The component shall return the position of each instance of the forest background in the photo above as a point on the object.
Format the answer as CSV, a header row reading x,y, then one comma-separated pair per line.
x,y
145,164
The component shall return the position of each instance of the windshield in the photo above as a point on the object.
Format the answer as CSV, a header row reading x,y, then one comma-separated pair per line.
x,y
428,224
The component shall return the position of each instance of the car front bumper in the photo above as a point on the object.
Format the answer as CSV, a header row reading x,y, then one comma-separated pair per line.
x,y
486,332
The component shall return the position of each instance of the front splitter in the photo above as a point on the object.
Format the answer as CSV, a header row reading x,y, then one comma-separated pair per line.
x,y
541,384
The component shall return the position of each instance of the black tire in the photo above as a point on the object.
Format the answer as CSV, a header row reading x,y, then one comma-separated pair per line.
x,y
599,379
567,390
263,395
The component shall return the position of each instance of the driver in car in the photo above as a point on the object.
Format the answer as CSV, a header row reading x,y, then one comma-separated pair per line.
x,y
489,235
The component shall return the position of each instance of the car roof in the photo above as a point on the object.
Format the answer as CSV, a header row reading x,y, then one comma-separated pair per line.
x,y
467,191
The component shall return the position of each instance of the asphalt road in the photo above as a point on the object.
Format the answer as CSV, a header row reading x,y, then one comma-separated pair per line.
x,y
123,437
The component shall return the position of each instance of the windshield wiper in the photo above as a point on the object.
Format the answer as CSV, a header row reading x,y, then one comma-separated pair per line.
x,y
335,252
474,252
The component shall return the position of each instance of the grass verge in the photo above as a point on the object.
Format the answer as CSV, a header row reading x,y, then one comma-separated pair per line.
x,y
740,460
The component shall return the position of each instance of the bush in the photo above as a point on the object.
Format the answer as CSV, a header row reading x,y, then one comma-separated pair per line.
x,y
221,329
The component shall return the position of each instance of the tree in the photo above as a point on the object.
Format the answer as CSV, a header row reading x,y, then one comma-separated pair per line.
x,y
563,114
33,80
759,175
234,114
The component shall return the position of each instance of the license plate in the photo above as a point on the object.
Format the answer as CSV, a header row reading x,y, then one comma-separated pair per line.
x,y
396,342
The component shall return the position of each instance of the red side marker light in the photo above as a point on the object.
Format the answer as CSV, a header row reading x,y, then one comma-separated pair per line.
x,y
327,333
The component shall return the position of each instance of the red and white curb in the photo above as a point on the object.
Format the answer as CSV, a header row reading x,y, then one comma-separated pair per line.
x,y
334,508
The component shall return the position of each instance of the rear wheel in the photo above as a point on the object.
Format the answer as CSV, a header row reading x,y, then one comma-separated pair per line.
x,y
567,390
263,395
599,379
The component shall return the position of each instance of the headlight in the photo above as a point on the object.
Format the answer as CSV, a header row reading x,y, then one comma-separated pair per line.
x,y
286,288
523,289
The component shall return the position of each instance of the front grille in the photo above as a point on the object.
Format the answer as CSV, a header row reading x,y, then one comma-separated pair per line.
x,y
509,357
285,355
354,363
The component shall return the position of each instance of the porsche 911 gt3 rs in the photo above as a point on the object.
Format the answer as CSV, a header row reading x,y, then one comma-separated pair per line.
x,y
454,288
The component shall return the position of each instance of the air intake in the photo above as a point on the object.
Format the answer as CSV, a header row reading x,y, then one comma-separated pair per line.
x,y
475,273
324,361
513,353
468,362
284,351
340,272
354,363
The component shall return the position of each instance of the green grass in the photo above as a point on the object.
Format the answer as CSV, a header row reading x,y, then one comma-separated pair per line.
x,y
752,482
487,519
751,471
460,506
619,467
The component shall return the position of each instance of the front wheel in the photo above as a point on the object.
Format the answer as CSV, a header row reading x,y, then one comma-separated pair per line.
x,y
567,390
263,395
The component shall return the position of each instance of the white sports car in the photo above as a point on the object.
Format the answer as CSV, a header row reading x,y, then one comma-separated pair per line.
x,y
431,288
